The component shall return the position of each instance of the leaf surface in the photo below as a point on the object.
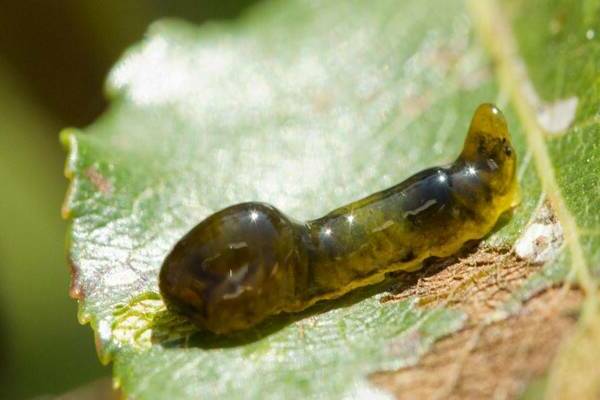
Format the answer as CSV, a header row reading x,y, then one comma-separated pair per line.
x,y
306,105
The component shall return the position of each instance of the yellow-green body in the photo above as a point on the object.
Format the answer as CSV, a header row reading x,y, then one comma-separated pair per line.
x,y
250,261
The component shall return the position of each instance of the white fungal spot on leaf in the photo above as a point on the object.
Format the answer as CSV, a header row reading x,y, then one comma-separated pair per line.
x,y
556,117
553,117
542,239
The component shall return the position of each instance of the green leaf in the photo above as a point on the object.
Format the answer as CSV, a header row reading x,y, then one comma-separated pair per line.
x,y
329,355
552,75
557,104
575,155
306,105
571,30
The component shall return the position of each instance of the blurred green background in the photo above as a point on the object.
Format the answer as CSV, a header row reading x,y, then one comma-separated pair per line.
x,y
54,56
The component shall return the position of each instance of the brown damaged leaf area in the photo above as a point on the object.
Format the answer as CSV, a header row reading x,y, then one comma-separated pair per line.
x,y
496,355
75,289
102,184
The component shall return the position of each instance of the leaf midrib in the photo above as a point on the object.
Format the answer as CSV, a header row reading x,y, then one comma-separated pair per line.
x,y
494,30
491,24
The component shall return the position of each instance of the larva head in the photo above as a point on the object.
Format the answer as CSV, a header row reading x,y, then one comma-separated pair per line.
x,y
489,147
233,269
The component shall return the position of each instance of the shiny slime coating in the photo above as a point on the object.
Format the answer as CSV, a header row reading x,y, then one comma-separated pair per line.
x,y
250,261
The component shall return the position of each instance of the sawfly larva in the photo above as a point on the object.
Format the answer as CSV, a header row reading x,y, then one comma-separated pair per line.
x,y
250,261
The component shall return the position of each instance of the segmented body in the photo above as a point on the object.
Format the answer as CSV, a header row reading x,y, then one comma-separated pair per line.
x,y
249,261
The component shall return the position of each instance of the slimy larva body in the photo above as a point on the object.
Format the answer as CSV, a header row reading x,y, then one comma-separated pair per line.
x,y
249,261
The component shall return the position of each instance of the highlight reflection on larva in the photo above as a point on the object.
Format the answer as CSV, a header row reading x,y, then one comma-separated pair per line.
x,y
250,261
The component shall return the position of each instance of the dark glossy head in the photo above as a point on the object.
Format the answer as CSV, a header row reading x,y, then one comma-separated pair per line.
x,y
233,269
488,146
